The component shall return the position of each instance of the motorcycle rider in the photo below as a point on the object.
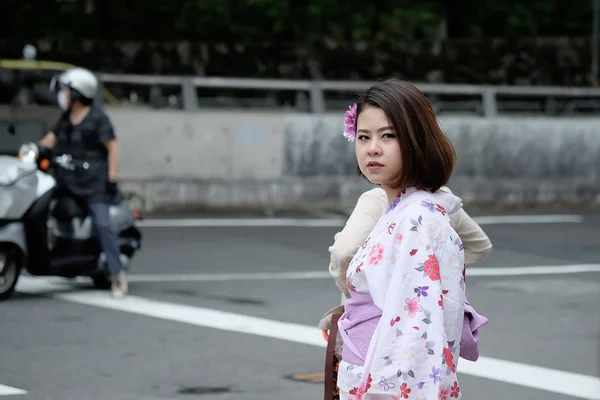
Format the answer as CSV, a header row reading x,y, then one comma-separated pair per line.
x,y
85,133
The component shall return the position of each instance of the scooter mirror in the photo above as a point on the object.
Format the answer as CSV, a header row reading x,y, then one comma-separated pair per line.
x,y
28,153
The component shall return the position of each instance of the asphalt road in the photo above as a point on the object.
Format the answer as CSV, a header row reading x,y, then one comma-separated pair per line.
x,y
64,341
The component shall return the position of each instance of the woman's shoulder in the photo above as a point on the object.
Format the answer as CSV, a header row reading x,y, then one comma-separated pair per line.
x,y
377,194
374,199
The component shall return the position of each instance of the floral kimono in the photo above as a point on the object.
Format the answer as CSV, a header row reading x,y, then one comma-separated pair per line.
x,y
402,325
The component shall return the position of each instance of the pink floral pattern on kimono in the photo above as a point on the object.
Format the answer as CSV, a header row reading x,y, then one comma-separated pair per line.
x,y
412,265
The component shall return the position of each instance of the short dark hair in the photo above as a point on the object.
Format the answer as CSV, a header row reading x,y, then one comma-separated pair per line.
x,y
428,156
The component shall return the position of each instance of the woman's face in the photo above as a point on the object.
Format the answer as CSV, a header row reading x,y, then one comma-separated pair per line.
x,y
377,150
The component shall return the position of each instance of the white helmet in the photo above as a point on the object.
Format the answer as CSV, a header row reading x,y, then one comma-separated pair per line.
x,y
82,80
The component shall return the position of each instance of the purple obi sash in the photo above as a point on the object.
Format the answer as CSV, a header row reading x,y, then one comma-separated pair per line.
x,y
361,316
356,327
469,349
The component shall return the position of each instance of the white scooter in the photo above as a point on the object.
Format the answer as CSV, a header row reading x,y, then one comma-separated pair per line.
x,y
50,237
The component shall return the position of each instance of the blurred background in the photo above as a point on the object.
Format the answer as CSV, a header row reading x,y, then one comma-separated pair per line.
x,y
514,85
229,116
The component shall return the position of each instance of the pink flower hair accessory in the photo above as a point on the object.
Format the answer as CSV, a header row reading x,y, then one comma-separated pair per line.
x,y
350,123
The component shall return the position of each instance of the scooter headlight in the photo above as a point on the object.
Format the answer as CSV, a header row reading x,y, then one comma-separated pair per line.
x,y
28,153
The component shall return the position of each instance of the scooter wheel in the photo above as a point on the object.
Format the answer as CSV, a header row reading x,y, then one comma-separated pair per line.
x,y
10,270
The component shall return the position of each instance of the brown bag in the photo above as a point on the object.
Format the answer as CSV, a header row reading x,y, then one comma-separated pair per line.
x,y
333,357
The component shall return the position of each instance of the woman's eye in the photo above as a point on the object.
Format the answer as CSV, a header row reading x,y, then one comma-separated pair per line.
x,y
389,136
362,137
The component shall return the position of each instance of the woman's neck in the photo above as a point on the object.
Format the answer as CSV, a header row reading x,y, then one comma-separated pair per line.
x,y
391,193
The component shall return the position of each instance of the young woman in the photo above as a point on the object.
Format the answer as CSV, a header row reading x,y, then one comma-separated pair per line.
x,y
371,205
403,321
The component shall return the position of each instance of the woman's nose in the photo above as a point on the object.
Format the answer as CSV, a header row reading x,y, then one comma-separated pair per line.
x,y
374,148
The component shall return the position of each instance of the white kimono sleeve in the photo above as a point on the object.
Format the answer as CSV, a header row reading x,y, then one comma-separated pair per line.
x,y
369,208
420,288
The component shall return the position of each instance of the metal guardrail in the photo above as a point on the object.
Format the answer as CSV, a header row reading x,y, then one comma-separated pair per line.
x,y
487,93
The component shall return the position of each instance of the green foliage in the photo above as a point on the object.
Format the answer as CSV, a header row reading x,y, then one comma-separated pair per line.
x,y
501,18
261,21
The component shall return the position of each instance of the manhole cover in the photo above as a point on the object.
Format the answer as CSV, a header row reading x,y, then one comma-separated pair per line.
x,y
313,377
204,390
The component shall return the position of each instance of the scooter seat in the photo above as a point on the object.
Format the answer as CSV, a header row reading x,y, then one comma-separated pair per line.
x,y
67,208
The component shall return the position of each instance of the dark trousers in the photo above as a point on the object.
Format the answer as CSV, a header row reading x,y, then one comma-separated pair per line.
x,y
108,238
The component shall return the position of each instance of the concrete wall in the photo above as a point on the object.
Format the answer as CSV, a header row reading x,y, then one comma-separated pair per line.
x,y
504,161
244,159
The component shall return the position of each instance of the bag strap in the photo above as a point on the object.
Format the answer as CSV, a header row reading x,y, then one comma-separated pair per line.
x,y
330,378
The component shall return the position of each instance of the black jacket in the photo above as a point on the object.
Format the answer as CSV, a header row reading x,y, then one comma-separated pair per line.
x,y
87,176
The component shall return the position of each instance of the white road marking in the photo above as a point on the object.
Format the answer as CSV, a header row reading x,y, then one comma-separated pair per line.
x,y
175,312
266,276
259,276
10,391
307,275
334,222
240,222
534,270
533,376
551,380
529,219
